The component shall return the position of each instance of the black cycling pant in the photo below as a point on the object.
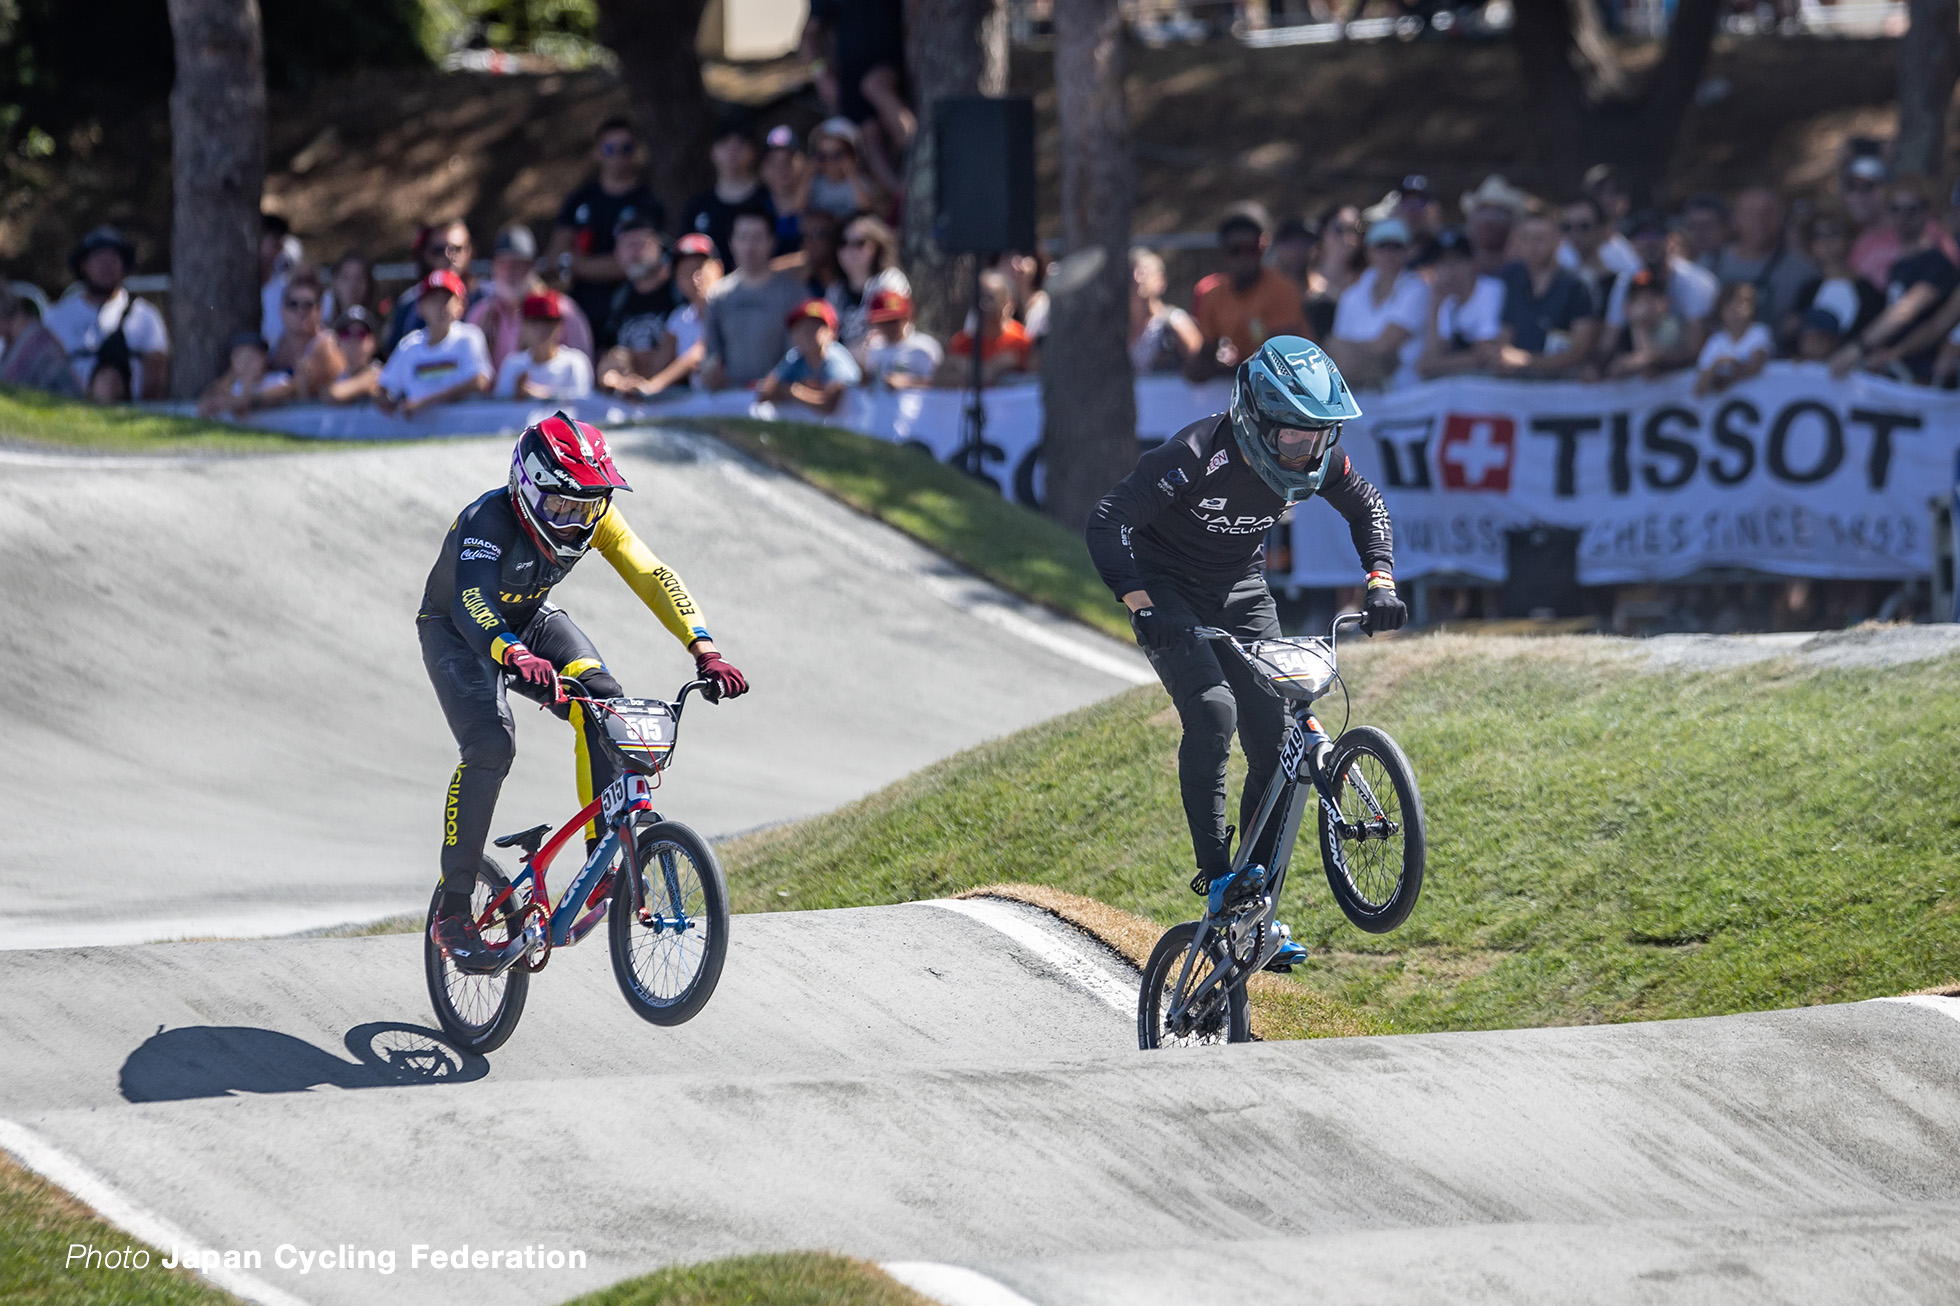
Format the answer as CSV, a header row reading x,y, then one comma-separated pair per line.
x,y
471,689
1215,696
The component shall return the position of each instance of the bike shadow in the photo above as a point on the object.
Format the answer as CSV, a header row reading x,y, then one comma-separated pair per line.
x,y
219,1060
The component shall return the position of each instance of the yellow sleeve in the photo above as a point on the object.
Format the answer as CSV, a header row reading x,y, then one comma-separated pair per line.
x,y
656,584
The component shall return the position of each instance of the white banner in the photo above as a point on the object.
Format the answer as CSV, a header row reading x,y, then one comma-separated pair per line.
x,y
1793,472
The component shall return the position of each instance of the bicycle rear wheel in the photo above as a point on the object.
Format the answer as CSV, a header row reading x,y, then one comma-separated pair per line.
x,y
1374,857
1219,1017
478,1012
668,965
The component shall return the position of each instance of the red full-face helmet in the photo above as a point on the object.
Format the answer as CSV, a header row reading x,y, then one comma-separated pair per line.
x,y
561,479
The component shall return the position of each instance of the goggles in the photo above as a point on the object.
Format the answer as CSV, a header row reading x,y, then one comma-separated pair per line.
x,y
1293,445
564,512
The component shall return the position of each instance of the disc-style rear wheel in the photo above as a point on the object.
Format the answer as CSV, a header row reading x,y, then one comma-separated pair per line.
x,y
1163,1020
1374,854
478,1012
667,956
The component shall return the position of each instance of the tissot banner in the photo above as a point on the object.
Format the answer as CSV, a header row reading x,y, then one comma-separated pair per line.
x,y
1793,472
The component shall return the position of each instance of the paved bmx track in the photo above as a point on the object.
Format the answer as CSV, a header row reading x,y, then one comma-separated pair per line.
x,y
911,1084
228,731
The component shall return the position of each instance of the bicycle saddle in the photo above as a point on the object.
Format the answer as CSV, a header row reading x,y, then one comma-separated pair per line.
x,y
528,840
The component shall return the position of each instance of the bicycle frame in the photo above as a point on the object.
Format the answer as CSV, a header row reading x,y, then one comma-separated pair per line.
x,y
539,927
1303,757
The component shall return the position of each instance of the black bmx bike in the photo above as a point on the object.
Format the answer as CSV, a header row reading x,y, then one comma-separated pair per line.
x,y
1371,845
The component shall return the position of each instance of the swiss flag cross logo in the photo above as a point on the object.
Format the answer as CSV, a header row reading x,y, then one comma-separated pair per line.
x,y
1476,452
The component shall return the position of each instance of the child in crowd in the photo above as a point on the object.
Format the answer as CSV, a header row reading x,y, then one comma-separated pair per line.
x,y
440,362
360,374
1005,346
894,353
242,385
676,356
544,368
817,370
1819,334
1739,345
1653,330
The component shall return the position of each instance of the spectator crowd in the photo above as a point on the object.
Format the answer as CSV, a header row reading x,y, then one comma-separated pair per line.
x,y
1584,287
784,278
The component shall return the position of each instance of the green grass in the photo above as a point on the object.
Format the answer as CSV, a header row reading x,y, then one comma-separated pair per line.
x,y
786,1279
1604,844
39,1224
33,417
948,511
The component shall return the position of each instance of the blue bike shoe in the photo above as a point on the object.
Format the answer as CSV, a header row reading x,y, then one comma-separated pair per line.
x,y
1234,887
1290,954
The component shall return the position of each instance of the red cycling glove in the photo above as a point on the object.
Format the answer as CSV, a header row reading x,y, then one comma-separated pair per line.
x,y
534,669
724,681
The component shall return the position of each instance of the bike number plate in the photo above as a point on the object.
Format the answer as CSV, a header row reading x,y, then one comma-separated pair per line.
x,y
629,793
1294,750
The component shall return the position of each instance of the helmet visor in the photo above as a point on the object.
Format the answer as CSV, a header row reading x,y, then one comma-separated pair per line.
x,y
565,512
1298,446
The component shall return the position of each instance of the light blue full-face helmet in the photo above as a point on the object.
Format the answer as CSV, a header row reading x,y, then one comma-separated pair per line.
x,y
1288,404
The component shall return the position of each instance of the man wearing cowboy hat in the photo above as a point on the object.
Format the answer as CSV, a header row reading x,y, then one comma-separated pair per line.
x,y
97,307
1488,214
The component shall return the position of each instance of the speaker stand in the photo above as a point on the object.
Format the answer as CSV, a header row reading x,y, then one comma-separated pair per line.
x,y
972,453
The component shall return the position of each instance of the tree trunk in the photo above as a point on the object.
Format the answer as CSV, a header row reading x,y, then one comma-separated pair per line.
x,y
952,47
218,145
1088,393
1929,61
654,41
1587,110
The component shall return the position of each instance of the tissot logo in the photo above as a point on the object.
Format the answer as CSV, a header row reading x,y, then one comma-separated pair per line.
x,y
1477,452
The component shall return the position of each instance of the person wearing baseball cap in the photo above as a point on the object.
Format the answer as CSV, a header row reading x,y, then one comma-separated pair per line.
x,y
513,279
545,368
655,355
636,315
97,305
440,362
894,353
1464,328
817,370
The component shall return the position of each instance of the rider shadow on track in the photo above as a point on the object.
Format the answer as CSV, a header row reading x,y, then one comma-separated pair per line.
x,y
218,1060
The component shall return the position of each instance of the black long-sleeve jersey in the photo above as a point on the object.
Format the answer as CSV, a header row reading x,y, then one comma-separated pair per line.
x,y
490,577
1195,508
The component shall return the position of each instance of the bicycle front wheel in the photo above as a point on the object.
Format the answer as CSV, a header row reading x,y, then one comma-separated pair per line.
x,y
1374,851
667,956
1166,1017
478,1012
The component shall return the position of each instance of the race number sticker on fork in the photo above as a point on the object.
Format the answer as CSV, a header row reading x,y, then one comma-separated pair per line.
x,y
628,793
1294,750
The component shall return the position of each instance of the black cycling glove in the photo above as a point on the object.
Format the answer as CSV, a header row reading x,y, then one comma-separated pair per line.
x,y
1157,629
1383,609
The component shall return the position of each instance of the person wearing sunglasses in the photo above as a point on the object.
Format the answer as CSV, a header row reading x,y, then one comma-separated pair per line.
x,y
839,183
1243,304
1380,320
360,370
443,247
1922,279
487,626
580,251
306,357
1181,542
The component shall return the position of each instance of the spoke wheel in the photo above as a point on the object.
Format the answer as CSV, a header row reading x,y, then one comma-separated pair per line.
x,y
477,1012
1374,851
1217,1018
668,964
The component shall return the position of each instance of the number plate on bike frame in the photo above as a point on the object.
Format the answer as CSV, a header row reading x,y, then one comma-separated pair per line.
x,y
1295,668
629,793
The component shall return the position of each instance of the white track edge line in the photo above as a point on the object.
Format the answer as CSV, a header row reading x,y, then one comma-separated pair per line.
x,y
92,1190
1949,1007
952,1285
1072,961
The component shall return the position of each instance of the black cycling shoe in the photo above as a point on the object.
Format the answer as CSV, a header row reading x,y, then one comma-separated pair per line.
x,y
458,937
